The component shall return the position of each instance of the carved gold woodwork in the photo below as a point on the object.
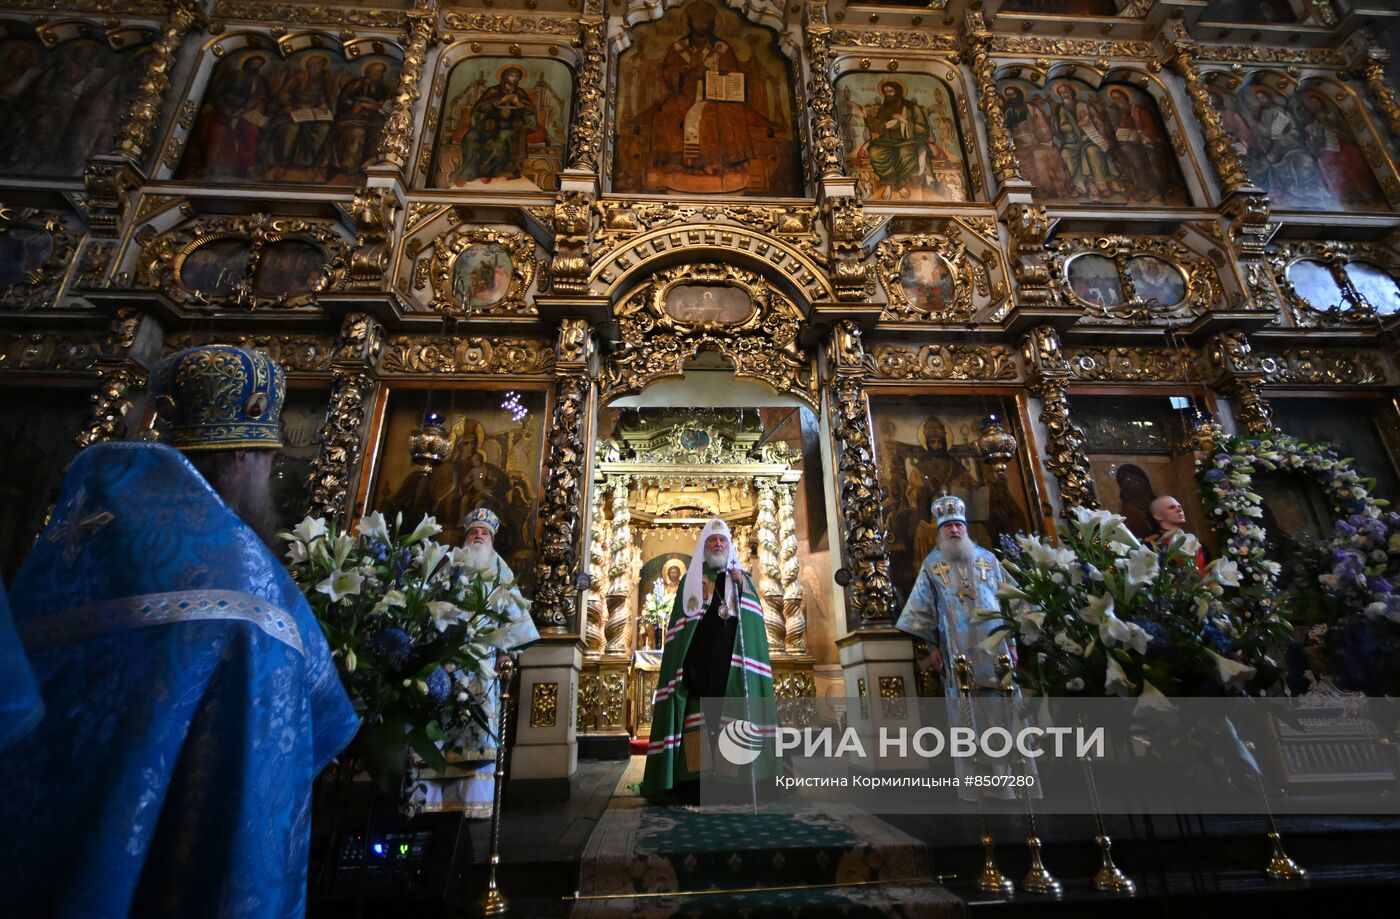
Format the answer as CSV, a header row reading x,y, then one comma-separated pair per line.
x,y
1224,158
1199,276
947,246
846,228
295,353
1382,92
139,121
941,362
310,14
1065,455
620,568
413,354
163,259
544,705
599,542
892,697
1129,364
828,153
620,221
572,217
602,698
790,574
977,54
561,497
586,137
762,346
1238,375
795,694
373,212
39,286
1353,310
511,23
1315,366
770,588
449,246
396,137
862,514
1029,225
353,379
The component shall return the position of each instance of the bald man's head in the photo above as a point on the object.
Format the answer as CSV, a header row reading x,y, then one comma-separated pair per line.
x,y
1168,513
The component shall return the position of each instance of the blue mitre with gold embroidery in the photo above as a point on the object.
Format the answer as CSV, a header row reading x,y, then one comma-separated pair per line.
x,y
949,509
219,397
482,517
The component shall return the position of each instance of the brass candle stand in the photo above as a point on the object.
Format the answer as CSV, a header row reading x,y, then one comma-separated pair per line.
x,y
1038,879
1109,878
493,902
991,880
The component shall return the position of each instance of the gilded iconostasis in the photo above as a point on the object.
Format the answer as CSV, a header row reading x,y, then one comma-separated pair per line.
x,y
1027,251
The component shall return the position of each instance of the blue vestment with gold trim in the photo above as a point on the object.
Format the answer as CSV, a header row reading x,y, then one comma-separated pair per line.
x,y
940,609
191,701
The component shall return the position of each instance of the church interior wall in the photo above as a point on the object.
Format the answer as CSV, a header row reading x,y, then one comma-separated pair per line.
x,y
192,176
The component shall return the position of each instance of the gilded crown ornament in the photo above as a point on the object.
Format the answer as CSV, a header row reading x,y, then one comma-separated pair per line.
x,y
429,444
949,509
219,397
482,517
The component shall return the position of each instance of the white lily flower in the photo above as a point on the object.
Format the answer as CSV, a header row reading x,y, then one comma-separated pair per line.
x,y
341,584
1099,606
390,600
1231,673
1031,624
444,613
1152,700
310,529
994,642
427,527
1117,548
1141,567
373,526
1115,680
340,549
1184,543
1116,530
1007,590
296,552
430,557
1224,572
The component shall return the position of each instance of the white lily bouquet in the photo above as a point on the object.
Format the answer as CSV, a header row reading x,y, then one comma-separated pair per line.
x,y
1102,613
408,630
656,609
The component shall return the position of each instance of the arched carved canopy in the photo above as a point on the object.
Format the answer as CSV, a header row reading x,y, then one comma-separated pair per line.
x,y
684,310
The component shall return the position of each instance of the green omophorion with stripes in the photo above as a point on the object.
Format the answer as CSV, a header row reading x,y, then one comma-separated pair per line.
x,y
679,745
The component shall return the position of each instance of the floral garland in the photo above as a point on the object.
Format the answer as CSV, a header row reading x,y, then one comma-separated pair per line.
x,y
1226,478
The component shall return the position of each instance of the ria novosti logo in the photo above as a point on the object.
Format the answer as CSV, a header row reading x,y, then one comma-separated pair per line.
x,y
740,742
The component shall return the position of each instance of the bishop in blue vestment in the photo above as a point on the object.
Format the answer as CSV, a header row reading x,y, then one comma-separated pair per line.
x,y
190,695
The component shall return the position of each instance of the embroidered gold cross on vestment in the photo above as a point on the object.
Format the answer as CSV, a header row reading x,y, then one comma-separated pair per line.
x,y
941,569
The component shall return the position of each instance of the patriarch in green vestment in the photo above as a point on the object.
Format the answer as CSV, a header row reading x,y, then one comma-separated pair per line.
x,y
716,647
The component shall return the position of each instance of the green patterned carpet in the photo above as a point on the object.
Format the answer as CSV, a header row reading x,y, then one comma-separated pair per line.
x,y
650,860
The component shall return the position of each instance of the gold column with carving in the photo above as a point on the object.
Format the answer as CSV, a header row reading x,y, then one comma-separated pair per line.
x,y
977,54
769,587
353,378
828,152
1382,93
790,574
109,178
1224,159
1064,455
122,375
1237,374
586,137
396,138
862,516
143,115
619,594
600,533
556,572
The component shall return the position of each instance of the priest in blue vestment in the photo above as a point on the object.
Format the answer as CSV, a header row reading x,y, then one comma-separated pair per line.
x,y
190,695
20,708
